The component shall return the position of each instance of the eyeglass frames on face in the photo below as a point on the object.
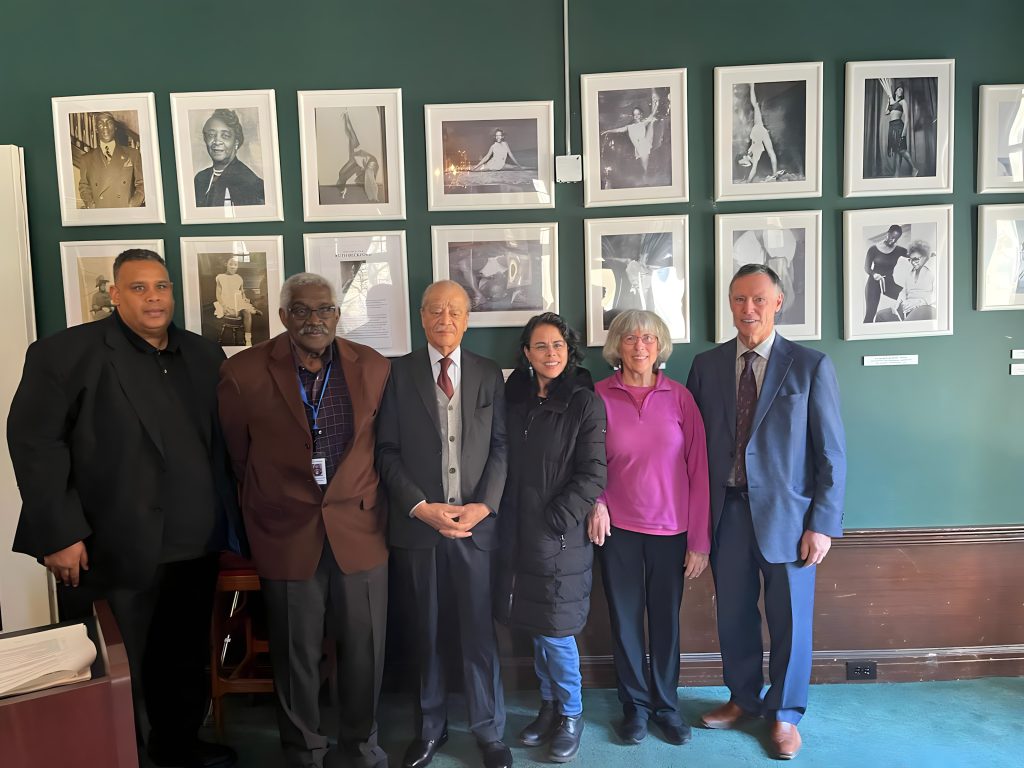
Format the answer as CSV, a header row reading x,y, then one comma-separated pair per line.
x,y
647,338
301,311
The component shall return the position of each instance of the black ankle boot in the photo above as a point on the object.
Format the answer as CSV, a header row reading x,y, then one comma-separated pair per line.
x,y
565,742
539,731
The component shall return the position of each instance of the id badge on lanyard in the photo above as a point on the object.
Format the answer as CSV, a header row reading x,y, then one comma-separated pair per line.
x,y
319,462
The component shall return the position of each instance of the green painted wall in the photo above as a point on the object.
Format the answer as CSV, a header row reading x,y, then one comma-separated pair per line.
x,y
936,444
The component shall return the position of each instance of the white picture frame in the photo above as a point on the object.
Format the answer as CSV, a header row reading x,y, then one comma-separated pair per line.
x,y
768,131
635,138
238,131
889,301
1000,257
637,263
886,155
341,134
370,275
259,276
510,271
464,155
790,243
85,264
1001,138
127,186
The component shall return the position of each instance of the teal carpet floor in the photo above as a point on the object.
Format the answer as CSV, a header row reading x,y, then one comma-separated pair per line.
x,y
886,725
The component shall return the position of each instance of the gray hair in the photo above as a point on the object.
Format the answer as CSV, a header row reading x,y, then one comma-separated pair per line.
x,y
757,269
302,280
444,284
645,322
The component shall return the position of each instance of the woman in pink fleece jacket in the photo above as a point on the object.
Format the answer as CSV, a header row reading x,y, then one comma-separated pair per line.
x,y
652,521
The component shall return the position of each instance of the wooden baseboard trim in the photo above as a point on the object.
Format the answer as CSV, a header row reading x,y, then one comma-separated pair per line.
x,y
910,537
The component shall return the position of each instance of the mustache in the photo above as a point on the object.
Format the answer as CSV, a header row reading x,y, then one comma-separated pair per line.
x,y
306,330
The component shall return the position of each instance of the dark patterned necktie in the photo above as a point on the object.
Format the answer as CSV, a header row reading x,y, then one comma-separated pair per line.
x,y
443,382
746,401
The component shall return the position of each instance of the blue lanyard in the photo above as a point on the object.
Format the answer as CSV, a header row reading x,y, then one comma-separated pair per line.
x,y
315,410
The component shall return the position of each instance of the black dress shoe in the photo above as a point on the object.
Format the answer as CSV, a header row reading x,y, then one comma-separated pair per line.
x,y
540,730
677,733
195,754
496,755
421,751
566,741
634,729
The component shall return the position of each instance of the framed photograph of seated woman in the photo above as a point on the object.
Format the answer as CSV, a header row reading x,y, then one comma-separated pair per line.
x,y
371,282
638,263
352,158
898,272
899,127
510,271
87,267
225,149
1001,138
231,287
1000,257
768,131
634,138
489,156
108,159
790,243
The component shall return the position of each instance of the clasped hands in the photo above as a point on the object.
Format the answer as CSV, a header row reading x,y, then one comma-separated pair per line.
x,y
452,521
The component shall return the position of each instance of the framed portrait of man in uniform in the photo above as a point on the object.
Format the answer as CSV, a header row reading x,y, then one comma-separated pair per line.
x,y
88,270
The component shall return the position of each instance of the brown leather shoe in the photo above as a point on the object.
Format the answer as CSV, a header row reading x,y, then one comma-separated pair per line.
x,y
723,717
785,739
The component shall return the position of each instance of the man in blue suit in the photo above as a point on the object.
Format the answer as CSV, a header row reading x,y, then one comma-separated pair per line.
x,y
777,464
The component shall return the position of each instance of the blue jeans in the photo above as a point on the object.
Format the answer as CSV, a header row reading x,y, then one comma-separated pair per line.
x,y
556,660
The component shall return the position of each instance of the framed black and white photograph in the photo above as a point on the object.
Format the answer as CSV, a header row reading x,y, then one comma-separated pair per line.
x,y
638,263
232,288
898,272
487,156
788,242
87,267
768,131
1000,257
352,157
634,138
899,127
510,271
225,147
108,159
371,282
1001,138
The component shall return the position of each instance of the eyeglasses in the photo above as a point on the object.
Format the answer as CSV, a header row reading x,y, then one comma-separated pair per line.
x,y
542,346
647,338
301,311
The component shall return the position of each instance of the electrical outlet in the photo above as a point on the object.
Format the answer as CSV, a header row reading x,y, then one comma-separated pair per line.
x,y
861,670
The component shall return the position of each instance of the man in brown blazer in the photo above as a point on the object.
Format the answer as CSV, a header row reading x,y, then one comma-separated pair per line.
x,y
299,414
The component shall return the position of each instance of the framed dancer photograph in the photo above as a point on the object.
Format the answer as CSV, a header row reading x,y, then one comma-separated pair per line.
x,y
1001,138
899,127
87,267
490,155
510,271
768,136
225,149
352,156
232,287
638,263
898,272
1000,257
371,281
788,242
108,159
634,138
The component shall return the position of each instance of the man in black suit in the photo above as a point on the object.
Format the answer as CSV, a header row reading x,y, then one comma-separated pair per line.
x,y
125,488
442,456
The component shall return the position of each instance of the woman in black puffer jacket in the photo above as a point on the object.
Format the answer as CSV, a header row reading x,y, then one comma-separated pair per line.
x,y
556,470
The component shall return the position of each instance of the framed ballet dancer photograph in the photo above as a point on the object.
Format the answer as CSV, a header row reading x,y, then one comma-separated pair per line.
x,y
1001,138
768,131
638,263
1000,257
899,127
108,159
87,267
898,272
352,157
790,243
226,152
510,271
634,138
371,282
490,155
232,288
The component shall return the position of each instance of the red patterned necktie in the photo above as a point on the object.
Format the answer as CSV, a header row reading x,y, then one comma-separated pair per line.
x,y
746,401
443,382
